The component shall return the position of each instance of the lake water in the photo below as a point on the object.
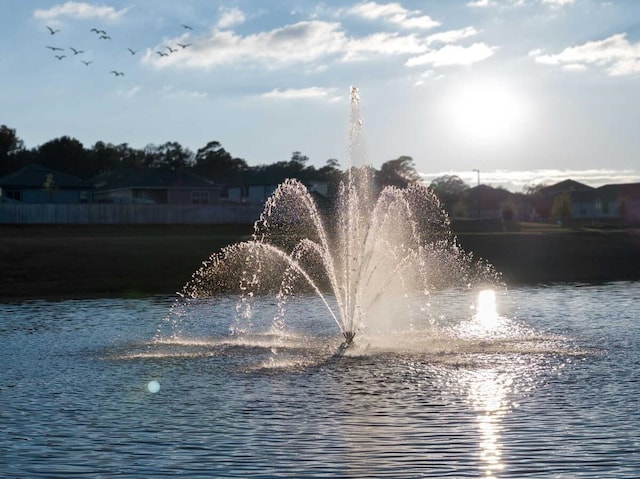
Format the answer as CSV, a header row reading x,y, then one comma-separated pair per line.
x,y
539,381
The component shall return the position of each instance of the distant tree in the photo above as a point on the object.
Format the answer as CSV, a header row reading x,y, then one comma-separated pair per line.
x,y
104,157
451,191
172,156
65,154
216,164
561,207
400,172
49,185
11,150
533,189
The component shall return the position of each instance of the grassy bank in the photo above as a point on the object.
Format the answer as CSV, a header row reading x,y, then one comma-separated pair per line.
x,y
120,260
85,261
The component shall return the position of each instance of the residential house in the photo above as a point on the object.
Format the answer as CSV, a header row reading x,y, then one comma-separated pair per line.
x,y
544,198
486,202
608,205
36,183
154,186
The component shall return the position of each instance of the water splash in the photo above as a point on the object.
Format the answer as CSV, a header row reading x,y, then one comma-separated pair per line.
x,y
374,258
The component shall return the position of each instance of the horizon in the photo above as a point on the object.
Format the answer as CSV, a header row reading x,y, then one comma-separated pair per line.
x,y
526,91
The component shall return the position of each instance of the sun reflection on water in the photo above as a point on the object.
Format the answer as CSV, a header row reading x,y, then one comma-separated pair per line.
x,y
488,390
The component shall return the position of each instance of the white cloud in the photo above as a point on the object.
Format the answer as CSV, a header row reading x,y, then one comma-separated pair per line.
x,y
614,54
517,180
558,3
230,17
80,10
382,44
303,93
302,42
453,55
306,42
452,36
482,3
394,13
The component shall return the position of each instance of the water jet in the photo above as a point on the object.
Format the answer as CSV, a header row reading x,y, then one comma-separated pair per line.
x,y
378,249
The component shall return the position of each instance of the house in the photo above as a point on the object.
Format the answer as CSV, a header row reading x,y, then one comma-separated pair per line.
x,y
258,192
154,186
486,202
613,204
544,198
36,183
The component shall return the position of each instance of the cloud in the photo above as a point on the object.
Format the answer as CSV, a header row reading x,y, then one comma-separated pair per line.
x,y
482,3
452,36
453,55
393,13
382,44
304,42
616,55
558,3
230,17
517,180
80,10
303,93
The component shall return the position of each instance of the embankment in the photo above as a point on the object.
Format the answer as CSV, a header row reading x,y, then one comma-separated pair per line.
x,y
97,261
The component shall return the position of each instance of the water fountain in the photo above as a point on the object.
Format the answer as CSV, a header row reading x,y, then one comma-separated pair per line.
x,y
375,247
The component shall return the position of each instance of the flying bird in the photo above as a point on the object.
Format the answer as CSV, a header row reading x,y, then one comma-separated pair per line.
x,y
100,32
104,37
55,49
117,73
76,52
186,27
163,54
52,31
60,57
87,63
183,45
171,50
132,51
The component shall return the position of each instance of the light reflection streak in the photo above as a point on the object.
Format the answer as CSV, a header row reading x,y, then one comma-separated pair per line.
x,y
488,390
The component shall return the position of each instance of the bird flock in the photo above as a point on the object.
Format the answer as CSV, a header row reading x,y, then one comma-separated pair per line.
x,y
61,53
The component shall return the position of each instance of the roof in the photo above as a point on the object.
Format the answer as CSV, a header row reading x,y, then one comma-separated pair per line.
x,y
149,178
35,176
565,186
612,192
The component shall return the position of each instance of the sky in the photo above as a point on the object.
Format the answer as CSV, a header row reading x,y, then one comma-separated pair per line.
x,y
505,92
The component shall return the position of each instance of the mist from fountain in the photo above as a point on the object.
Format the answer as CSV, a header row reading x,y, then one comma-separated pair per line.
x,y
375,250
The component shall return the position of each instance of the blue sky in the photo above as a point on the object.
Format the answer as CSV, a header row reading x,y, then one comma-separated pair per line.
x,y
526,91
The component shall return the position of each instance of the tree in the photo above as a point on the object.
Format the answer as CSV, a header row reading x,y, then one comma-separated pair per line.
x,y
400,172
10,149
216,164
65,154
561,207
533,189
171,156
450,190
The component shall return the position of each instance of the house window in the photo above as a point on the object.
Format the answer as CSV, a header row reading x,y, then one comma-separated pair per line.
x,y
14,195
200,197
598,204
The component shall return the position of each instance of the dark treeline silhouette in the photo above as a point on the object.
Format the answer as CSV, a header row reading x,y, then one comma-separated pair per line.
x,y
212,162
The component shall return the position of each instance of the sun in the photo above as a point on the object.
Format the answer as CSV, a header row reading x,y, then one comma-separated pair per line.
x,y
487,111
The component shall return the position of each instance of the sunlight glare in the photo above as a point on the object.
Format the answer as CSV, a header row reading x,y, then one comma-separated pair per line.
x,y
486,313
485,111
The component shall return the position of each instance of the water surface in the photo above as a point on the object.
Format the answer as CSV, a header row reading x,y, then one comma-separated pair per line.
x,y
543,382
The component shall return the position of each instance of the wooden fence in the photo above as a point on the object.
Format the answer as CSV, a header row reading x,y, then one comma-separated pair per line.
x,y
96,213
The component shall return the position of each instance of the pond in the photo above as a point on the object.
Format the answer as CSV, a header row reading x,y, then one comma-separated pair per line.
x,y
536,381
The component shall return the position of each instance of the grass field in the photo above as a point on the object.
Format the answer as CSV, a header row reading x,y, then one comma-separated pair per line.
x,y
81,261
131,261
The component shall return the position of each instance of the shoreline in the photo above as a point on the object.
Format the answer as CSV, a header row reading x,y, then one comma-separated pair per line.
x,y
73,262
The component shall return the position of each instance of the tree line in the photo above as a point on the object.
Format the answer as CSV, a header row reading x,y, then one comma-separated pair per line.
x,y
211,161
